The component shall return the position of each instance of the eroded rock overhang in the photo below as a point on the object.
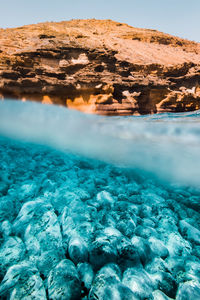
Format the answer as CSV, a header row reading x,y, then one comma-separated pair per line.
x,y
96,80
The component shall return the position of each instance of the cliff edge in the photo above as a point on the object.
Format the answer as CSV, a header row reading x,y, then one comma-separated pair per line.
x,y
100,66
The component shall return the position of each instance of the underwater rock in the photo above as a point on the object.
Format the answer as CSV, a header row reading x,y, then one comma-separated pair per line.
x,y
158,295
77,250
196,251
156,265
176,264
107,277
149,196
148,222
188,291
47,232
143,249
6,228
31,210
83,194
106,219
192,268
145,211
47,260
167,225
146,231
105,199
7,209
127,206
107,285
112,234
39,226
166,283
125,218
68,225
29,288
192,202
22,281
102,252
110,290
126,226
157,247
86,275
11,252
27,191
3,188
63,282
132,188
128,255
177,245
139,282
64,199
77,225
126,209
190,232
110,270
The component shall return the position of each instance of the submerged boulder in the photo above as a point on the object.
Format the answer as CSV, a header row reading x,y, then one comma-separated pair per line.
x,y
166,283
102,252
177,245
143,249
63,282
6,228
105,199
158,295
78,250
22,281
31,211
110,290
139,282
86,275
189,290
157,247
39,226
11,252
190,232
107,285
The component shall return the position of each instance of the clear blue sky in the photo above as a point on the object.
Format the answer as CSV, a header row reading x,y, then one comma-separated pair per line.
x,y
178,17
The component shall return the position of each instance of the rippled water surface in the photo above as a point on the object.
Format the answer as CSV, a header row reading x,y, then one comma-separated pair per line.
x,y
98,207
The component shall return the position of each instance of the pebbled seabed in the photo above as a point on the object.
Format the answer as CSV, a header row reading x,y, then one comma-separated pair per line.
x,y
75,228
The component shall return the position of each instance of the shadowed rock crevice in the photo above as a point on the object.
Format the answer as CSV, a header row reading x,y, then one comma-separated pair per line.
x,y
101,67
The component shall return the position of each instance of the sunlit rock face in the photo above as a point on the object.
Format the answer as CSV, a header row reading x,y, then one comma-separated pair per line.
x,y
100,66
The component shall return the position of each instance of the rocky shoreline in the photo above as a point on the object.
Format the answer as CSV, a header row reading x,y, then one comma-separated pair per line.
x,y
101,67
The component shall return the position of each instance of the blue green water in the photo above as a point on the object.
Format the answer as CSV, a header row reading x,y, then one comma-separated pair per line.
x,y
96,207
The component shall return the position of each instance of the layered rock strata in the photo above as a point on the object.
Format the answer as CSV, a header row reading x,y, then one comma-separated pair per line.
x,y
101,67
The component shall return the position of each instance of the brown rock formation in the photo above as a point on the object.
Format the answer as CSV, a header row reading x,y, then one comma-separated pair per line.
x,y
100,67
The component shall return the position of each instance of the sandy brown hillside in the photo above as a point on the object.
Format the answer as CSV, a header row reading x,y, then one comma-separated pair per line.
x,y
100,66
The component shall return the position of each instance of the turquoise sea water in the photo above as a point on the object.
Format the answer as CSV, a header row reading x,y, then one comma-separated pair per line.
x,y
98,207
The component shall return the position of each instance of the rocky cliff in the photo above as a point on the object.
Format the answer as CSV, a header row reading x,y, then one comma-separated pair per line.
x,y
100,67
